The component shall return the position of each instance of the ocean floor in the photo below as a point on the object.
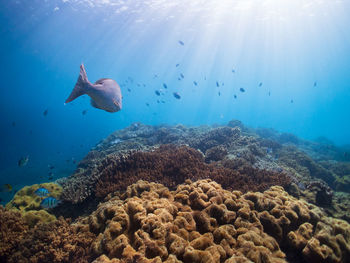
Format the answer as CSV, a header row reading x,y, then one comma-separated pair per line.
x,y
189,194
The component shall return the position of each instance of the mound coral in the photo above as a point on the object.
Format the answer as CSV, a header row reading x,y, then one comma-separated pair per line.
x,y
172,165
201,222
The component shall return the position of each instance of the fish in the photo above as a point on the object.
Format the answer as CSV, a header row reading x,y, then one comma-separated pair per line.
x,y
235,96
7,187
105,93
177,95
163,101
23,161
0,200
291,101
269,93
179,78
84,112
315,83
219,93
158,101
157,92
242,90
45,112
182,76
233,71
181,43
195,83
147,104
50,166
13,124
42,191
260,84
177,65
129,89
49,202
165,86
217,84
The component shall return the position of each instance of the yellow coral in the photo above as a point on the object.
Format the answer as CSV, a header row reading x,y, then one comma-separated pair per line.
x,y
28,203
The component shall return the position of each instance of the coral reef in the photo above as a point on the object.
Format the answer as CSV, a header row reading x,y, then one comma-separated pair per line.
x,y
57,241
197,222
12,230
26,199
28,203
201,222
172,165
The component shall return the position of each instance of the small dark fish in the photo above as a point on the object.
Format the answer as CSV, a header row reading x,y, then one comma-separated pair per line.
x,y
233,71
147,104
30,132
178,78
50,166
242,90
181,43
138,84
84,112
163,101
49,202
195,83
157,92
260,84
177,95
235,96
269,93
7,187
315,83
1,200
23,161
74,161
45,112
144,85
158,101
129,89
177,65
165,86
217,84
268,150
42,192
222,84
67,161
291,101
182,76
13,124
155,76
219,93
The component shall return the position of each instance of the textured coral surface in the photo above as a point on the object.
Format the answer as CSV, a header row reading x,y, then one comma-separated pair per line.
x,y
172,165
201,222
198,222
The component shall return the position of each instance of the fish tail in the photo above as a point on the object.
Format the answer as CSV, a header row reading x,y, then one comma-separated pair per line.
x,y
80,86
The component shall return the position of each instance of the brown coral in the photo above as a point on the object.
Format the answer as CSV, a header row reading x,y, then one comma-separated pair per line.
x,y
53,242
12,229
172,165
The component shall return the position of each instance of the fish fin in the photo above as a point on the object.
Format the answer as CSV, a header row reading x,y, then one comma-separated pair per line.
x,y
94,104
80,86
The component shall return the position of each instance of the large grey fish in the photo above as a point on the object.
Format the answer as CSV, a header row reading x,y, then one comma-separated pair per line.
x,y
105,94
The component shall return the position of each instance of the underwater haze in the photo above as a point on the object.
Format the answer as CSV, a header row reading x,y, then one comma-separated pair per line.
x,y
275,64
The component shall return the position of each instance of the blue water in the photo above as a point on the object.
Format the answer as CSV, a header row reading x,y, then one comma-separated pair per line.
x,y
286,45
